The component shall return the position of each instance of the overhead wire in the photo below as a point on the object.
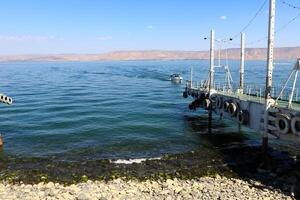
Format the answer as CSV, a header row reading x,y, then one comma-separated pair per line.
x,y
278,30
246,26
290,5
251,20
282,27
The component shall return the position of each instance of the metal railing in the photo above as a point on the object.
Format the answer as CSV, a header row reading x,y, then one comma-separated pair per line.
x,y
251,91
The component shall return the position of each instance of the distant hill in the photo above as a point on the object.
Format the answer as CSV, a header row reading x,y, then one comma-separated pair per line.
x,y
251,54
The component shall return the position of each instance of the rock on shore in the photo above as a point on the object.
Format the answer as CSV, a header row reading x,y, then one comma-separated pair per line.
x,y
203,188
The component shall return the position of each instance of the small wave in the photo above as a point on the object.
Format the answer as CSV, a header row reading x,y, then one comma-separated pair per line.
x,y
131,161
283,63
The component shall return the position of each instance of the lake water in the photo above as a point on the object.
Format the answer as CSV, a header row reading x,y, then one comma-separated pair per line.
x,y
114,110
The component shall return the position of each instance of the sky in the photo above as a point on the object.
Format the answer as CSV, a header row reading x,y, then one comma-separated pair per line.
x,y
97,26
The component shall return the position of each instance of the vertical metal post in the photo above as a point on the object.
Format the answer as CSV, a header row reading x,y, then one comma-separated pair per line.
x,y
293,89
212,52
191,71
220,49
270,49
269,71
242,64
259,95
211,75
249,93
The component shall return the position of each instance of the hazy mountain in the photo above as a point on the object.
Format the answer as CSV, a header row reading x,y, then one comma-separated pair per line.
x,y
251,54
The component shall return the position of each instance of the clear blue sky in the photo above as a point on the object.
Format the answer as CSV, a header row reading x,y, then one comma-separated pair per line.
x,y
95,26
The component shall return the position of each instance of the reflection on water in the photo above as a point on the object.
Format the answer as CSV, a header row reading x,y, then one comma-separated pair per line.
x,y
221,135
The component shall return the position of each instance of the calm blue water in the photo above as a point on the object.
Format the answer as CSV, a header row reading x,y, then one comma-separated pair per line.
x,y
94,110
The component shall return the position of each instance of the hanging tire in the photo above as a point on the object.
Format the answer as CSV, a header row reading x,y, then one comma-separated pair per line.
x,y
207,104
243,117
219,102
295,125
185,94
202,96
225,106
192,106
198,102
282,123
232,109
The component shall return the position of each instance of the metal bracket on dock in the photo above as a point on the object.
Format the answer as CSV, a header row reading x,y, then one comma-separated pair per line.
x,y
294,73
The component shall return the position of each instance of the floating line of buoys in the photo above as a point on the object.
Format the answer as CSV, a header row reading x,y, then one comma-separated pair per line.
x,y
5,99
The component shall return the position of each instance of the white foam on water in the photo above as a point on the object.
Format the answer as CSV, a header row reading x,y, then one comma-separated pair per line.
x,y
131,161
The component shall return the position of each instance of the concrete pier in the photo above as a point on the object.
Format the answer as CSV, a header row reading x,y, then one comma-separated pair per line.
x,y
248,110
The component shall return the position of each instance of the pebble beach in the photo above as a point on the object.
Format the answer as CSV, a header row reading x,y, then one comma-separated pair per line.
x,y
202,188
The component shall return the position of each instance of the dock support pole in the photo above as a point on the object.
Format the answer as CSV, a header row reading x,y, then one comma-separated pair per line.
x,y
191,71
242,64
212,59
220,50
268,97
211,75
1,141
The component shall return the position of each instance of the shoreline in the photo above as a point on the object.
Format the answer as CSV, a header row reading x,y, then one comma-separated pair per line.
x,y
202,188
128,60
283,174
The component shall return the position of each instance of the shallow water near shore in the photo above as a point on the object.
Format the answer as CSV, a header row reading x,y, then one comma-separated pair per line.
x,y
104,120
123,112
112,110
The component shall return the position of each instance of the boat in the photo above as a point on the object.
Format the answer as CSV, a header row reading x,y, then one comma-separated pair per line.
x,y
176,78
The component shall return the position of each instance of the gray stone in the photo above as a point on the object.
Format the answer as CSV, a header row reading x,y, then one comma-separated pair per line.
x,y
83,196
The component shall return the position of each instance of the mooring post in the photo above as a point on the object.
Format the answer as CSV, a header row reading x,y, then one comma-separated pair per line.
x,y
242,63
268,97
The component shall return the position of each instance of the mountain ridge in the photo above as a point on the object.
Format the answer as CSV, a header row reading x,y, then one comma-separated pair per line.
x,y
233,53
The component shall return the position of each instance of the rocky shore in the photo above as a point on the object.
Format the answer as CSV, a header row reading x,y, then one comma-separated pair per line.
x,y
202,188
199,174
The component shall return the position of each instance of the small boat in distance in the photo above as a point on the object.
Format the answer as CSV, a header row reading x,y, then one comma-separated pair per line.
x,y
176,78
